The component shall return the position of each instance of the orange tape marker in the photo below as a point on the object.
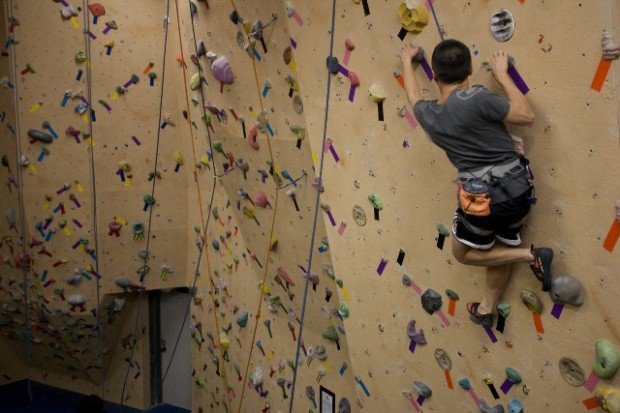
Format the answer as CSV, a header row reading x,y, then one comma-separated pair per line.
x,y
590,403
400,80
521,1
601,74
451,307
612,236
538,323
448,379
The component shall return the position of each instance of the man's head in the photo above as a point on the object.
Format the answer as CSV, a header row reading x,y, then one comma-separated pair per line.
x,y
451,62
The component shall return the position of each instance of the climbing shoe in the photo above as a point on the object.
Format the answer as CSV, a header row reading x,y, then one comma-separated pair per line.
x,y
485,319
542,266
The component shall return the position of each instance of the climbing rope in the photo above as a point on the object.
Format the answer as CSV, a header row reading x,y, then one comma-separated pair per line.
x,y
91,148
271,230
145,256
316,205
205,223
22,209
439,29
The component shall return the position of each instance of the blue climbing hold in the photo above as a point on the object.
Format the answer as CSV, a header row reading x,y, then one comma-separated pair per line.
x,y
465,384
515,406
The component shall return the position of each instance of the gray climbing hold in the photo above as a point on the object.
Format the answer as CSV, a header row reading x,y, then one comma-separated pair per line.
x,y
422,389
485,408
40,136
320,352
406,280
298,104
571,372
431,301
513,375
359,215
502,25
344,406
567,290
443,359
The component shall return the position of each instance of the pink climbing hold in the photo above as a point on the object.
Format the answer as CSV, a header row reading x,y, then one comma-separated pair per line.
x,y
252,138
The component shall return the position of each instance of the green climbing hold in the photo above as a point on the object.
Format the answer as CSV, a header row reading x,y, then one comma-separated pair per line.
x,y
343,310
330,333
340,282
217,145
242,319
194,82
375,201
504,309
513,375
607,359
443,230
451,294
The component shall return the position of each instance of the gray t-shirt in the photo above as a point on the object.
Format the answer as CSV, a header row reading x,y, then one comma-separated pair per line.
x,y
469,127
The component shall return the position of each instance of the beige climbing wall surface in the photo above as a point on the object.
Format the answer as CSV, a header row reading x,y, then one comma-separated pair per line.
x,y
573,146
233,167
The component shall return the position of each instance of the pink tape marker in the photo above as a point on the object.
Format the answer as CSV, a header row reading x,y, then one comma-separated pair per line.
x,y
343,226
474,396
443,317
591,382
410,119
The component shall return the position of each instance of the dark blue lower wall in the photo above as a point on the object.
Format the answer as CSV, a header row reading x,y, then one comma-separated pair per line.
x,y
47,399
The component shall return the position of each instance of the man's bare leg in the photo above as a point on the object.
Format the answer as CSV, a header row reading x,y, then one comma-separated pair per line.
x,y
498,255
497,280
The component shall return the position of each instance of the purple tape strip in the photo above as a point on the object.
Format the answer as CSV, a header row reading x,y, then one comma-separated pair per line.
x,y
381,266
352,93
491,334
136,140
331,219
129,83
420,400
591,382
474,396
516,77
64,3
412,345
506,386
443,317
556,311
293,43
343,70
427,68
333,151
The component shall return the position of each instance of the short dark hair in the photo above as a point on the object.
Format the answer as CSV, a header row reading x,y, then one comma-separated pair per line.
x,y
451,61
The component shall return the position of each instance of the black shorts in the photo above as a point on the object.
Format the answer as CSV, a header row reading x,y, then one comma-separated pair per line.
x,y
504,223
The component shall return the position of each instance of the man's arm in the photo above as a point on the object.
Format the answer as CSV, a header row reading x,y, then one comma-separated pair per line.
x,y
520,112
411,85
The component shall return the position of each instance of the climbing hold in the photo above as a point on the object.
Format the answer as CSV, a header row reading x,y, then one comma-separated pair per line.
x,y
298,104
416,335
607,359
377,95
485,408
611,51
375,201
531,300
422,389
343,310
443,359
567,290
299,131
76,300
242,319
608,398
96,9
261,200
464,383
359,215
344,406
251,138
513,375
320,352
451,294
418,56
515,406
571,372
431,301
354,78
413,16
194,82
504,309
68,12
502,25
221,68
406,280
287,55
443,230
40,136
332,65
138,230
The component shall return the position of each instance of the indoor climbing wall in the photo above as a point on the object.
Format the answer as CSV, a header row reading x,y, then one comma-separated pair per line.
x,y
574,159
265,195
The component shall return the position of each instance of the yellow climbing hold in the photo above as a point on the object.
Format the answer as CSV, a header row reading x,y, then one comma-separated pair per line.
x,y
413,16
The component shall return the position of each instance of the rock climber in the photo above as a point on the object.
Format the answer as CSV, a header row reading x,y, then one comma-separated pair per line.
x,y
495,192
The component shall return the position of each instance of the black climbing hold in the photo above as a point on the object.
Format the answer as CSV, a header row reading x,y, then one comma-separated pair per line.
x,y
431,301
332,65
